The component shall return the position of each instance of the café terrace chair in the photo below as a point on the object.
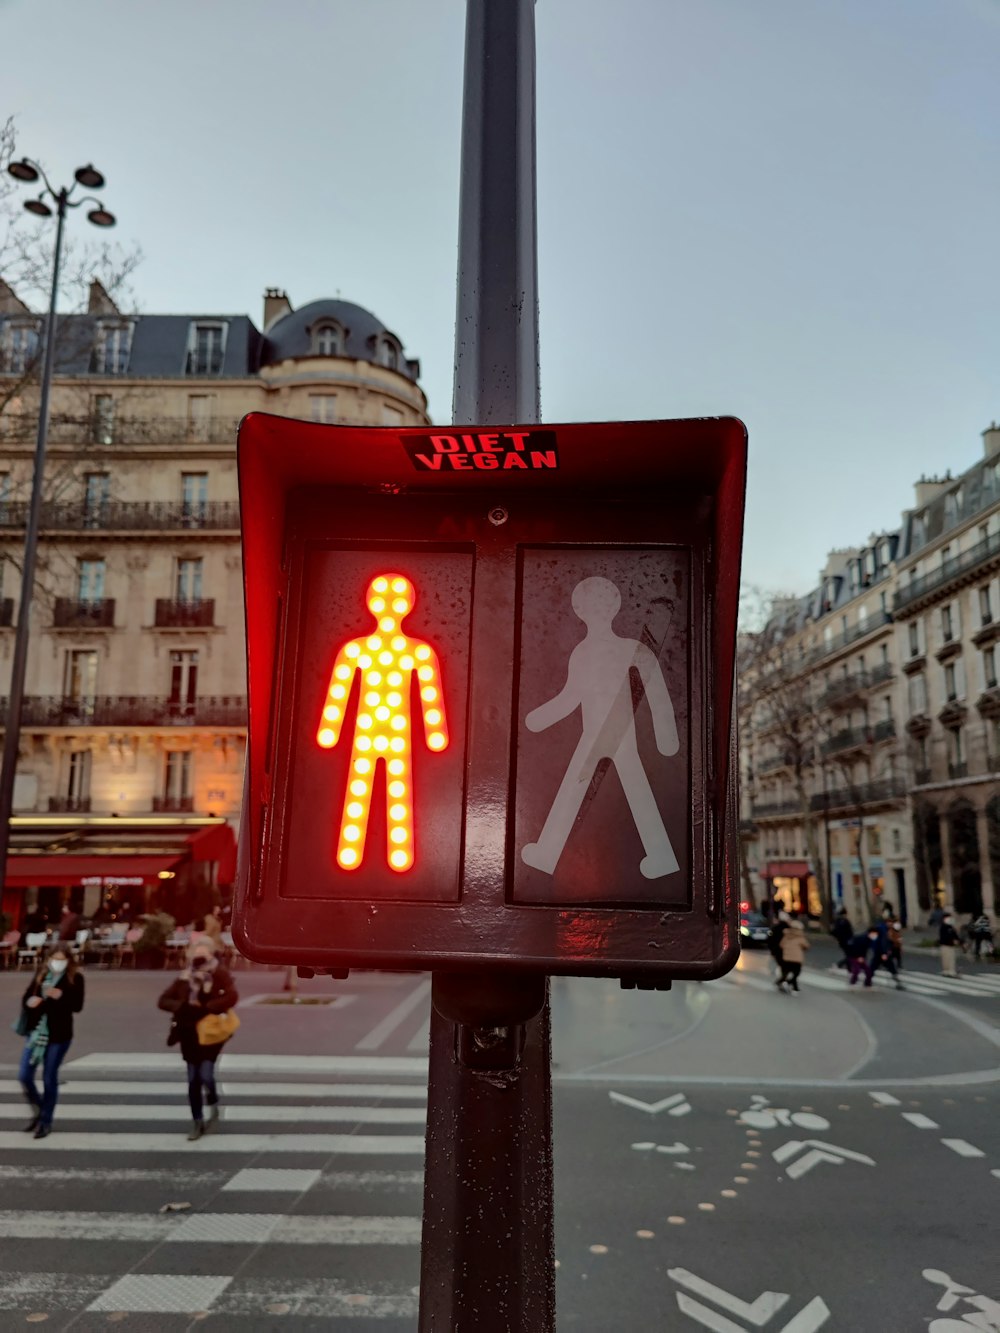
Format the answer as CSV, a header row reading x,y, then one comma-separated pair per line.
x,y
32,947
126,946
8,947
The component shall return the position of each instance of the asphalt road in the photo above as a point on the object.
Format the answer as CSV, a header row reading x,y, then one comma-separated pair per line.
x,y
727,1158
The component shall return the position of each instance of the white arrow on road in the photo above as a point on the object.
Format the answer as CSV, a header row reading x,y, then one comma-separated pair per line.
x,y
758,1312
654,1108
819,1152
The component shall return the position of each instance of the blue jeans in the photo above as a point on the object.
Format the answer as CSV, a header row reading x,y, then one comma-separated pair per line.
x,y
46,1104
201,1075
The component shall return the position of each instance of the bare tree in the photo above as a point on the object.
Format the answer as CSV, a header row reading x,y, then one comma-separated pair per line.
x,y
95,277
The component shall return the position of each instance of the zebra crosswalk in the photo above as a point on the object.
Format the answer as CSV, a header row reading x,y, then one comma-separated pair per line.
x,y
920,983
307,1197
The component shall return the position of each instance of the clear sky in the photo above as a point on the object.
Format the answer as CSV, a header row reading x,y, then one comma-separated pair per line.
x,y
787,210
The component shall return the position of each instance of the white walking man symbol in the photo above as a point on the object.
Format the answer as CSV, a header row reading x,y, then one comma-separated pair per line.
x,y
598,683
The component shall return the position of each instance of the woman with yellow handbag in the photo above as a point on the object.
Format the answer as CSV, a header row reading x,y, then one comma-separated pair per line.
x,y
201,1001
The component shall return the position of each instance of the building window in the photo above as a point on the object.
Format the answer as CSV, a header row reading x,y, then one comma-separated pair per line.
x,y
956,745
112,346
323,407
96,493
206,349
897,842
913,630
188,583
950,683
199,416
326,340
20,347
80,680
78,776
177,777
194,497
989,667
90,580
985,606
947,627
102,418
183,682
918,694
388,355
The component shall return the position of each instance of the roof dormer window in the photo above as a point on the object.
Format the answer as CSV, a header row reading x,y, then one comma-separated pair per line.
x,y
388,354
327,340
206,348
112,345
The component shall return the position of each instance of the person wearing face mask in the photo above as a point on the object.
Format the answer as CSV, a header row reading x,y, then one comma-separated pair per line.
x,y
53,996
204,987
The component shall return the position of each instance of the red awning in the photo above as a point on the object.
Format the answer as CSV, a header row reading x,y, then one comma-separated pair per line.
x,y
787,870
71,871
216,844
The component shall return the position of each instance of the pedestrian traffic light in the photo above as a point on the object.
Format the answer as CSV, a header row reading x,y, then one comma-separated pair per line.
x,y
490,677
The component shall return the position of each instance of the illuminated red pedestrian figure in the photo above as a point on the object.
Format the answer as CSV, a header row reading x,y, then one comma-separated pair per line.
x,y
386,660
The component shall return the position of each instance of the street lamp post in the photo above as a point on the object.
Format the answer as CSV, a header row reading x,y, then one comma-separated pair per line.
x,y
29,172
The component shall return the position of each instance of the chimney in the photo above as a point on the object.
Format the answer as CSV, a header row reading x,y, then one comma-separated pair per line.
x,y
98,300
276,306
991,440
11,304
929,488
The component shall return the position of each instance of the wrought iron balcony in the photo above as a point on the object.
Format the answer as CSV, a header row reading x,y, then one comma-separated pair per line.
x,y
851,686
769,809
197,613
71,613
6,612
104,710
176,805
857,738
125,516
959,566
22,428
69,805
864,793
959,770
848,636
921,777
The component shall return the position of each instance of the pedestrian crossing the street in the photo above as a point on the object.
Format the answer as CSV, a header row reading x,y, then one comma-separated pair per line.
x,y
308,1195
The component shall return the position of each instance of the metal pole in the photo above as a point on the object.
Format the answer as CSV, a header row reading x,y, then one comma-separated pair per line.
x,y
12,736
487,1257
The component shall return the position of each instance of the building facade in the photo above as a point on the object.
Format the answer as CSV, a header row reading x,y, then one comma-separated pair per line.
x,y
133,731
870,717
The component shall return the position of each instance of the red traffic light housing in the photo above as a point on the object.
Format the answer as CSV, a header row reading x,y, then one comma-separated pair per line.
x,y
490,678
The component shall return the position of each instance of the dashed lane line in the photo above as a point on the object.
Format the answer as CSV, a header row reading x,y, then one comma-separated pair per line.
x,y
962,1148
920,1121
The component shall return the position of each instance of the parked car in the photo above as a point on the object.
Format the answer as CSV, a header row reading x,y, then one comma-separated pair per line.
x,y
754,929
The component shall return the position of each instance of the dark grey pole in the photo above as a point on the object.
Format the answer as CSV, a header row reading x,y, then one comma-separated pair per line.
x,y
487,1257
12,735
496,329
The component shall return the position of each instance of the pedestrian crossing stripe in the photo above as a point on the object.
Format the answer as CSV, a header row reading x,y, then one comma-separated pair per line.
x,y
354,1145
365,1182
179,1113
217,1228
70,1085
133,1062
241,1296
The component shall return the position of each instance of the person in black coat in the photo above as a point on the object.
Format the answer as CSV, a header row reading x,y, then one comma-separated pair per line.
x,y
53,996
843,932
204,987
